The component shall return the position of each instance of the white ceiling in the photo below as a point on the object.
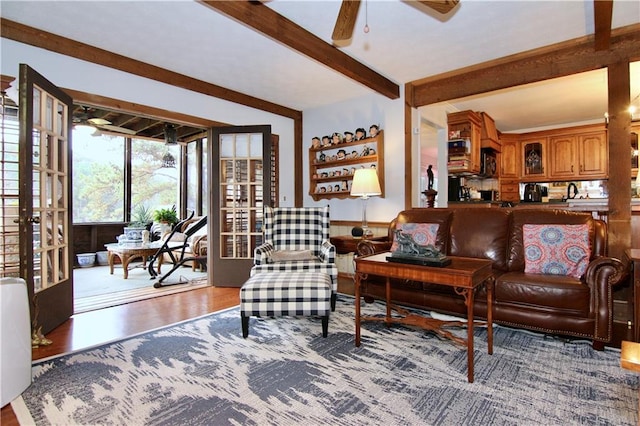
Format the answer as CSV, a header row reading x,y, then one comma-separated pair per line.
x,y
406,42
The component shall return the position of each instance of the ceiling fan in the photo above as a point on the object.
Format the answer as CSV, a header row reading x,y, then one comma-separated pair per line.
x,y
85,117
343,29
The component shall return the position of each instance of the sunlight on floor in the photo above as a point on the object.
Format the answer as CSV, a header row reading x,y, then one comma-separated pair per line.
x,y
96,288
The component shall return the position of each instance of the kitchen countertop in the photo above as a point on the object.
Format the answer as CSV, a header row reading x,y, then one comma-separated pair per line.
x,y
578,204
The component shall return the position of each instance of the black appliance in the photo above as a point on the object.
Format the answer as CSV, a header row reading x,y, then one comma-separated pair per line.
x,y
532,193
488,195
455,189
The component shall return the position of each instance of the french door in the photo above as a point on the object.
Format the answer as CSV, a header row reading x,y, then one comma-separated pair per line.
x,y
240,161
46,258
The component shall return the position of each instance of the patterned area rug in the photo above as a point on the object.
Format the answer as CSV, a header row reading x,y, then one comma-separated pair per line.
x,y
203,372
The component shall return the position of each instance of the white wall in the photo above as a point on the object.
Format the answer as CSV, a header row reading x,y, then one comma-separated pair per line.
x,y
80,75
349,115
83,76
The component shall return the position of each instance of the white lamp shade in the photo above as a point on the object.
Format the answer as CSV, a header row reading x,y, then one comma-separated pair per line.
x,y
365,183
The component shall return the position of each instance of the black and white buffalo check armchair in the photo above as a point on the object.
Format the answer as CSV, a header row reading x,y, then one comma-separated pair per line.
x,y
297,239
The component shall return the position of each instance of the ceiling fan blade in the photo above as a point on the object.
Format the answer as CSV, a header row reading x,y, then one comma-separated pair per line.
x,y
98,121
441,6
117,129
346,20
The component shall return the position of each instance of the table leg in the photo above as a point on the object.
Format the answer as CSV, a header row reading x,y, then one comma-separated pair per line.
x,y
490,284
388,300
111,260
125,265
357,297
469,302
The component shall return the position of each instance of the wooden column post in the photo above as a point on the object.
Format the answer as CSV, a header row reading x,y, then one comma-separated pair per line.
x,y
619,159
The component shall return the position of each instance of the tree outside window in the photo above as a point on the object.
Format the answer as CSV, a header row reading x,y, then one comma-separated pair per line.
x,y
98,184
153,185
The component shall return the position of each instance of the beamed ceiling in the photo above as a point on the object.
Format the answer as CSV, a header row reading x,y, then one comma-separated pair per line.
x,y
135,125
278,55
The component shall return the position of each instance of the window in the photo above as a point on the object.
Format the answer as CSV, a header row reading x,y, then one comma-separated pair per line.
x,y
98,184
152,184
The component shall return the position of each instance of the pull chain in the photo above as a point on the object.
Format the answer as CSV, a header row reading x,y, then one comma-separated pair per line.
x,y
366,17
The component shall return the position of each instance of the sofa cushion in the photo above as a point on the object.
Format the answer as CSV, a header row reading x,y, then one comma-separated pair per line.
x,y
481,233
520,217
422,233
551,292
556,249
292,255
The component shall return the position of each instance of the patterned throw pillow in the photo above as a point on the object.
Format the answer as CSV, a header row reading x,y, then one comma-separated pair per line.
x,y
556,249
422,233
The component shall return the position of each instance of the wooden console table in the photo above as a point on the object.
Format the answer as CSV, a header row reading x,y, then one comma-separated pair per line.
x,y
465,275
346,244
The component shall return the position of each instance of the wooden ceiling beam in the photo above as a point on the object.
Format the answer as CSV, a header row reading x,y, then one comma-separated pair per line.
x,y
602,12
66,46
133,108
259,17
557,60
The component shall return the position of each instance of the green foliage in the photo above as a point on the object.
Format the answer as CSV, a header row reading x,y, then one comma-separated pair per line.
x,y
166,215
141,216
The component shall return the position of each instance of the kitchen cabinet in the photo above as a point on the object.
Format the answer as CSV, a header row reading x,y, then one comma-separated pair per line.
x,y
533,158
331,168
578,156
593,155
465,133
509,190
509,156
563,156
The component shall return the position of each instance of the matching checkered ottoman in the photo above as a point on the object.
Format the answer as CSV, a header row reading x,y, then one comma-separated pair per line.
x,y
286,293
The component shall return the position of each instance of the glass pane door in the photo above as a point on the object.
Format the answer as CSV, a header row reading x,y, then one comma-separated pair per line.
x,y
46,256
240,157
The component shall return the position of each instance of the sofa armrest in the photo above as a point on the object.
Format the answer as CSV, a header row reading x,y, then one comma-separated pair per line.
x,y
602,274
262,254
367,247
327,252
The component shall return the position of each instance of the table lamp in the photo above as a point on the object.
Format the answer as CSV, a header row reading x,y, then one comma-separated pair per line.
x,y
365,184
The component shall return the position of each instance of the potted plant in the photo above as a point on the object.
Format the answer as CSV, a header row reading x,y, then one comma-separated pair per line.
x,y
142,220
167,216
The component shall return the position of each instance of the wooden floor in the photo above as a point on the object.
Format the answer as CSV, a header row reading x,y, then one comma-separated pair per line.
x,y
104,325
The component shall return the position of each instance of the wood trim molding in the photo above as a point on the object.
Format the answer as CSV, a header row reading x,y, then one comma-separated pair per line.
x,y
5,82
557,60
408,146
602,11
141,110
266,21
66,46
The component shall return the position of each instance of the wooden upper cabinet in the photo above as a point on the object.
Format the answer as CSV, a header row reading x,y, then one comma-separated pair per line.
x,y
593,155
509,156
533,154
563,157
578,156
465,128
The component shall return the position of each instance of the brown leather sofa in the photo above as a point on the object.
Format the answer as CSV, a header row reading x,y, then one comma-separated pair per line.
x,y
553,304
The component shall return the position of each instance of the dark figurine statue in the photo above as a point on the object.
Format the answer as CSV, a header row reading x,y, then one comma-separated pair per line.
x,y
407,245
429,177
